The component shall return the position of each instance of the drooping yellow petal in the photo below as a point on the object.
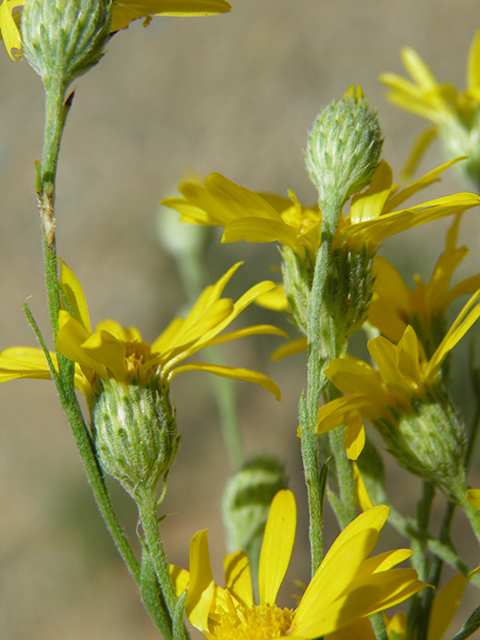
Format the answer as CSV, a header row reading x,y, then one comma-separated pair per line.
x,y
237,577
277,545
235,373
201,591
419,148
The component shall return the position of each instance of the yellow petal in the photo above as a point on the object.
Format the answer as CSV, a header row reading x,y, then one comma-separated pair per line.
x,y
445,605
473,71
383,590
473,497
201,591
108,351
369,203
237,577
290,349
9,29
354,434
238,200
465,319
231,372
277,545
417,152
70,338
260,230
124,11
333,578
180,579
75,295
24,362
362,498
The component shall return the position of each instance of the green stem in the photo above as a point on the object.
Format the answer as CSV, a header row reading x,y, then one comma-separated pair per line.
x,y
435,574
419,558
56,113
147,506
317,383
97,482
55,118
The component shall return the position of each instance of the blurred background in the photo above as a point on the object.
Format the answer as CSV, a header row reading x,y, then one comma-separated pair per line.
x,y
234,94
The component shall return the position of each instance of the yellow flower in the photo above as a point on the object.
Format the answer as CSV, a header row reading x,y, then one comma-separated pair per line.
x,y
347,586
124,12
402,383
445,605
114,352
455,114
394,306
262,217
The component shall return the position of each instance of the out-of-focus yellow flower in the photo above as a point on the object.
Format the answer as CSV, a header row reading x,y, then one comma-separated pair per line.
x,y
444,608
124,12
259,217
347,586
473,497
403,381
114,352
455,114
394,306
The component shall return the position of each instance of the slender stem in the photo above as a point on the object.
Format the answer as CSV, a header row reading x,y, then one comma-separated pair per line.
x,y
147,506
419,558
435,574
317,383
56,113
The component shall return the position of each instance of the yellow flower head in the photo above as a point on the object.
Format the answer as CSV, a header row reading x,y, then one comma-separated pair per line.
x,y
347,586
256,217
455,114
112,352
394,306
124,12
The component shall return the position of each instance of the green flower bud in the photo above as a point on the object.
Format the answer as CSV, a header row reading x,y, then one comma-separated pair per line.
x,y
348,290
63,39
343,152
430,442
246,503
135,434
297,282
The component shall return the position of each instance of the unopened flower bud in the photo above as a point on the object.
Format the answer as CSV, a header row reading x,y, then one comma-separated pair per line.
x,y
62,39
246,504
430,443
343,151
348,290
136,434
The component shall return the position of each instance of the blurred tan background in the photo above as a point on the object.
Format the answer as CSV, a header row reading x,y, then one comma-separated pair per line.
x,y
234,94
